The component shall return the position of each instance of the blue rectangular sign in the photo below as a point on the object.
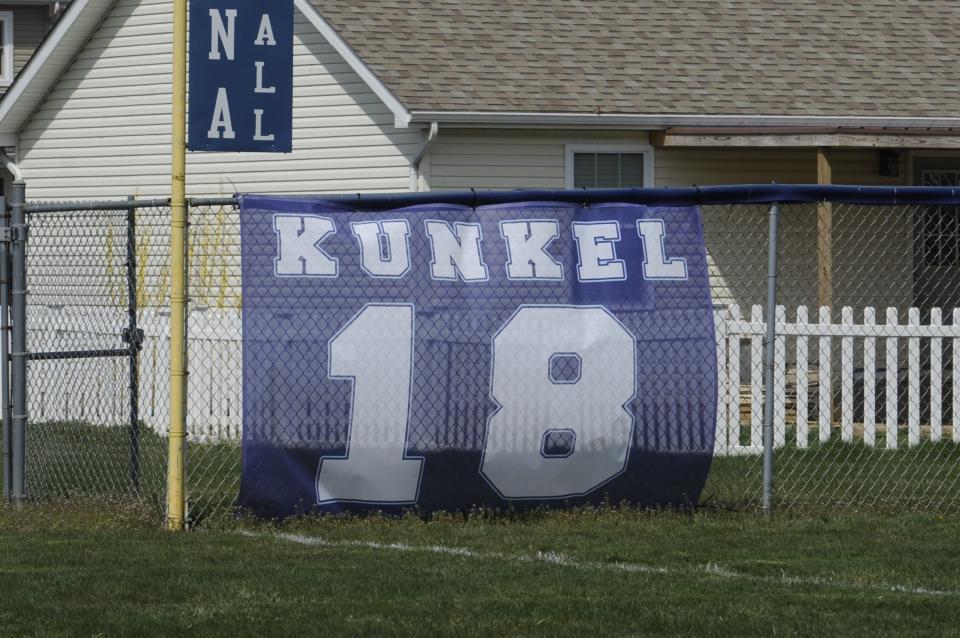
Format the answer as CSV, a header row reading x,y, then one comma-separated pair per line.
x,y
241,75
446,357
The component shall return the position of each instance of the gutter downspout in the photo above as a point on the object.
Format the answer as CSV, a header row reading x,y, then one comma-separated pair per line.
x,y
415,165
11,166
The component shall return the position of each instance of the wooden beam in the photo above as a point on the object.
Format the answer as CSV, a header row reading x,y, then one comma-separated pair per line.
x,y
824,233
667,139
681,140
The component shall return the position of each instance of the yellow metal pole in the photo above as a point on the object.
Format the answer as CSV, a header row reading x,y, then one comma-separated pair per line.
x,y
178,228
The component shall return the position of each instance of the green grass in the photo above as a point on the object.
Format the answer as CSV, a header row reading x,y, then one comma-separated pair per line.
x,y
75,460
71,460
836,476
88,558
80,571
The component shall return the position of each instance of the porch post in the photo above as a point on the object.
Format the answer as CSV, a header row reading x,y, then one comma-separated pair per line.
x,y
824,233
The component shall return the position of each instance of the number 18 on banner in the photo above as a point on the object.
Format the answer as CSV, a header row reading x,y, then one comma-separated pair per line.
x,y
241,75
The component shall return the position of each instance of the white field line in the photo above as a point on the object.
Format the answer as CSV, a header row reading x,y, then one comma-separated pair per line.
x,y
711,569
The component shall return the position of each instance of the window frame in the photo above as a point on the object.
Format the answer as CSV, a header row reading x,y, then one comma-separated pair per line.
x,y
643,149
6,72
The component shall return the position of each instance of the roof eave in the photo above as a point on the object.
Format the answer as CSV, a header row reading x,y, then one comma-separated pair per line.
x,y
655,122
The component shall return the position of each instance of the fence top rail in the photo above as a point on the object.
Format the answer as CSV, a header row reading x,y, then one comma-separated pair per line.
x,y
685,196
118,204
214,201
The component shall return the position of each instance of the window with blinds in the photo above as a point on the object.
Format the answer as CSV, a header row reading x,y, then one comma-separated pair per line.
x,y
608,170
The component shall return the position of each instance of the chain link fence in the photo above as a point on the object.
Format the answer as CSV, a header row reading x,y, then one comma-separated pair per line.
x,y
98,352
865,415
864,411
215,359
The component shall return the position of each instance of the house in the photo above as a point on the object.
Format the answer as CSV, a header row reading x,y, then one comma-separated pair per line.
x,y
458,94
393,96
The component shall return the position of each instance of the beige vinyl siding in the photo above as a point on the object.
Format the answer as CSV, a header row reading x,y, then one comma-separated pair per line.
x,y
871,246
505,159
685,167
104,130
704,167
873,255
860,166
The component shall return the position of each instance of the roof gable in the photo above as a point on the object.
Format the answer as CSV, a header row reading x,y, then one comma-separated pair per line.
x,y
80,21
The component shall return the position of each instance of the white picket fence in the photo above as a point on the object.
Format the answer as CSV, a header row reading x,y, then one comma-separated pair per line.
x,y
87,390
740,353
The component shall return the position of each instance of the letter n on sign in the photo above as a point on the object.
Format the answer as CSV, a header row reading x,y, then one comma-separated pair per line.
x,y
241,76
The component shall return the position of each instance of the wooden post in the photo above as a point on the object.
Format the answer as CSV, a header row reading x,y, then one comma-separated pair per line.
x,y
825,290
824,233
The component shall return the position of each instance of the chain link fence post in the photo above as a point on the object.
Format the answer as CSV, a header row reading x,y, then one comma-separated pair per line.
x,y
769,356
5,345
19,343
133,336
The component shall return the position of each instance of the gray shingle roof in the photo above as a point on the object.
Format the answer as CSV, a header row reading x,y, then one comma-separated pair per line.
x,y
890,58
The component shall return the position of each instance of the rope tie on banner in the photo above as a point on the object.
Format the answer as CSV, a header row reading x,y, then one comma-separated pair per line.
x,y
473,203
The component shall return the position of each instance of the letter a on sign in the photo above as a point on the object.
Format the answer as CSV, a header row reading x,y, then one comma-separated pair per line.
x,y
241,76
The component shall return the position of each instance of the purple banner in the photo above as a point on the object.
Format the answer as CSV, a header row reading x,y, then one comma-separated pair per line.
x,y
445,357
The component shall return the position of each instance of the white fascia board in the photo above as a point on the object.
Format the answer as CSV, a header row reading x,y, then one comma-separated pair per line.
x,y
657,122
37,61
401,115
